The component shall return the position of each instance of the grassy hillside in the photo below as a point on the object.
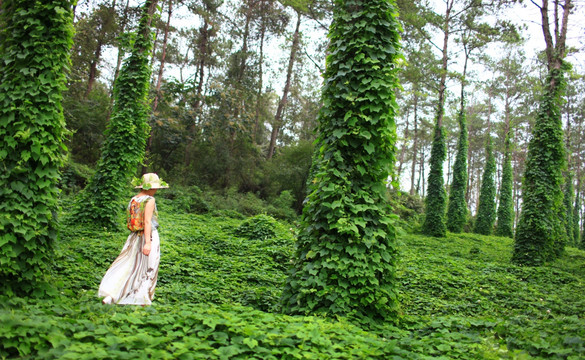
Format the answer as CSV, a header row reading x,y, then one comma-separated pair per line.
x,y
218,298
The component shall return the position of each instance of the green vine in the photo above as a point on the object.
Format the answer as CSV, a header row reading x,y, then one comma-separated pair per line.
x,y
35,39
434,222
541,232
125,137
346,251
486,210
457,209
568,208
576,222
505,223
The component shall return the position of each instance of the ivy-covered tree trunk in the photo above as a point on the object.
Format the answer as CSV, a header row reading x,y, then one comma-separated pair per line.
x,y
125,138
457,210
576,235
540,233
346,251
540,227
505,224
435,201
486,210
35,39
568,207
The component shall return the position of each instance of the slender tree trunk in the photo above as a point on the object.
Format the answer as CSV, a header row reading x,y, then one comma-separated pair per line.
x,y
93,65
260,75
159,80
404,146
123,25
415,144
278,117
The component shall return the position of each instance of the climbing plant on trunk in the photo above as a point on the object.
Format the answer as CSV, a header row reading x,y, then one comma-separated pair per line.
x,y
35,38
541,233
346,252
124,146
505,214
486,210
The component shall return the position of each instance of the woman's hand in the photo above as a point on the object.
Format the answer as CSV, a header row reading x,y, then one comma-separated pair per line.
x,y
146,248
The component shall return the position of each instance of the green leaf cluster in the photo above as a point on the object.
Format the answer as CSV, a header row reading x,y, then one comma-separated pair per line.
x,y
457,210
540,235
486,210
568,207
258,227
435,201
346,251
126,134
35,38
577,223
505,224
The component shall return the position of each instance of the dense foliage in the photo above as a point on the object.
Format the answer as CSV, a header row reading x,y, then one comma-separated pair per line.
x,y
568,195
434,222
540,234
505,215
486,210
35,38
457,209
346,251
577,222
126,133
218,297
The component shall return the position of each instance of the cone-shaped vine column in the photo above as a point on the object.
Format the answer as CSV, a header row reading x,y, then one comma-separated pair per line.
x,y
434,222
126,134
540,227
486,210
505,224
35,40
457,210
345,257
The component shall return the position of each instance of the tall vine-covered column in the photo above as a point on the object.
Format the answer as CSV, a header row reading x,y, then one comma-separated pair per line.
x,y
457,210
35,39
541,230
126,134
346,251
486,210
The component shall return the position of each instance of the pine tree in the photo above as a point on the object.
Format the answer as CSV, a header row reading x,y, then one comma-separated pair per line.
x,y
486,210
346,251
35,39
505,224
125,138
457,210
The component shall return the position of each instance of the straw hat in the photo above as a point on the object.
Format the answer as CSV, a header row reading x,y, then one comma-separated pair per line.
x,y
150,181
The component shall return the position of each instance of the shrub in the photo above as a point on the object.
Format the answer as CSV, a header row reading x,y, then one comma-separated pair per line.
x,y
258,227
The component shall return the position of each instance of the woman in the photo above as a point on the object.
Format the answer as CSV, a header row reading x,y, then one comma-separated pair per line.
x,y
132,277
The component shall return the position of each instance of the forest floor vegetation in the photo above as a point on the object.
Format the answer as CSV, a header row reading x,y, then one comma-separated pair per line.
x,y
219,287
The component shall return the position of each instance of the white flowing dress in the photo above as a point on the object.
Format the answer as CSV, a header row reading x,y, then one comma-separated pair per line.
x,y
132,277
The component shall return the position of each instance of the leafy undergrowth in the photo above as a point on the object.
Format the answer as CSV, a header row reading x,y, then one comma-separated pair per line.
x,y
218,298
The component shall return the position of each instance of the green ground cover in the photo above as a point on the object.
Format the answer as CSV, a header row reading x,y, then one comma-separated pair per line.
x,y
218,298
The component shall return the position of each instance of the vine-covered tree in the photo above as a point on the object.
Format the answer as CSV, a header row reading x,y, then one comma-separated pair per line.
x,y
35,38
540,232
576,238
346,251
486,210
126,133
568,208
505,214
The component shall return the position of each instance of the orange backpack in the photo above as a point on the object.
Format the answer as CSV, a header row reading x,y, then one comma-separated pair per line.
x,y
135,219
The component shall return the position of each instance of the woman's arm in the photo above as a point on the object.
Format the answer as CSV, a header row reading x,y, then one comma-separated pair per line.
x,y
148,211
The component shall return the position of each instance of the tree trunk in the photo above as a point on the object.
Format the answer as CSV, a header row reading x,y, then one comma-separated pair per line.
x,y
159,79
93,66
123,25
260,75
278,117
415,144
